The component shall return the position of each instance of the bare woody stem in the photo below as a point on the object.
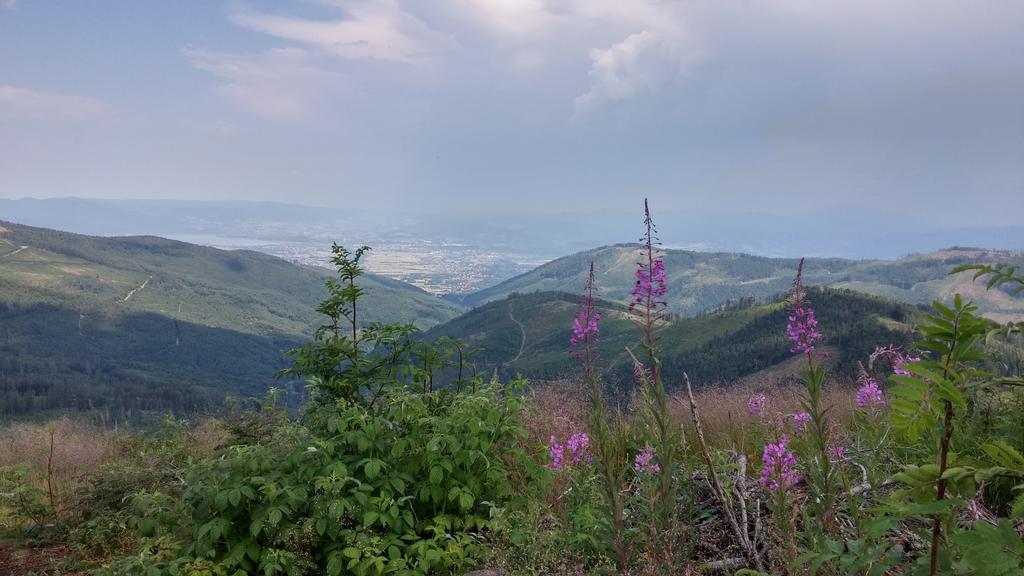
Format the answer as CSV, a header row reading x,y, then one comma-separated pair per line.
x,y
51,491
749,548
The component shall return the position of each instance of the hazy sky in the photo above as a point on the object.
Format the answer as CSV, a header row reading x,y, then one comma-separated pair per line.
x,y
779,106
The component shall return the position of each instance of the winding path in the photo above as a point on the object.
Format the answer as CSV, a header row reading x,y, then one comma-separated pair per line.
x,y
522,329
141,286
9,254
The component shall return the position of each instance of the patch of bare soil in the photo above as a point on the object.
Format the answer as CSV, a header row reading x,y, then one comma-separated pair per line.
x,y
45,561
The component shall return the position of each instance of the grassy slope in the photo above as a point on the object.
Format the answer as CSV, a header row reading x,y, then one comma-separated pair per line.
x,y
702,281
239,290
207,321
720,346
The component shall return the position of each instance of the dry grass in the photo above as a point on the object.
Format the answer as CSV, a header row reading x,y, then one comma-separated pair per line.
x,y
727,420
61,454
555,409
560,408
64,455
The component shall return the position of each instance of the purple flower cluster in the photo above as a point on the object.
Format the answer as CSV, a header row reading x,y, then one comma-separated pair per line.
x,y
869,395
642,463
779,470
800,420
650,284
838,452
899,360
802,329
757,403
585,328
641,374
578,446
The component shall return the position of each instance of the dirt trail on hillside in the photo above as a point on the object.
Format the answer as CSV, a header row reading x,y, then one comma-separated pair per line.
x,y
140,287
9,254
522,329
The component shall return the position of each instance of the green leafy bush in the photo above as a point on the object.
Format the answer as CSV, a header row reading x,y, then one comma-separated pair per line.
x,y
410,488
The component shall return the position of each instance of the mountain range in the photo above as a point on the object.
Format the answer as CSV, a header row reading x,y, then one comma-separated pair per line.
x,y
546,234
130,324
702,281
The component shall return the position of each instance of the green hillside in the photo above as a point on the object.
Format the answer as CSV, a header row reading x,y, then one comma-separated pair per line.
x,y
703,281
529,334
150,323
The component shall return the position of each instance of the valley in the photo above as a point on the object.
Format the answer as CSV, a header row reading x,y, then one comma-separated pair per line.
x,y
147,323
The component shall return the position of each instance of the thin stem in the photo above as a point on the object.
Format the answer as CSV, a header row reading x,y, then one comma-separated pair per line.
x,y
947,435
49,474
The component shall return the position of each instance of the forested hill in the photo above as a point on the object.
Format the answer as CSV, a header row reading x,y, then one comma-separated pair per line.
x,y
135,323
702,281
529,334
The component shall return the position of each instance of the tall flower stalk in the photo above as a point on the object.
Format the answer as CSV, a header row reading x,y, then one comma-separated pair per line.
x,y
803,333
778,475
608,446
648,301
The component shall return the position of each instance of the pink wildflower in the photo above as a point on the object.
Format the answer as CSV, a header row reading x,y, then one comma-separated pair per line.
x,y
800,420
897,358
757,403
650,275
779,470
642,462
838,451
869,395
802,330
557,452
900,360
650,284
578,446
641,374
585,328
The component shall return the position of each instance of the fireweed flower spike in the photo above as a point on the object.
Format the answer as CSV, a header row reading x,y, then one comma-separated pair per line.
x,y
869,395
584,340
650,287
557,452
642,463
896,357
900,360
779,466
578,447
648,305
584,327
802,331
802,328
650,284
756,404
800,420
586,332
839,451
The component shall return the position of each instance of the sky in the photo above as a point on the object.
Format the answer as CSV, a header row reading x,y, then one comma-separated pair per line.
x,y
894,110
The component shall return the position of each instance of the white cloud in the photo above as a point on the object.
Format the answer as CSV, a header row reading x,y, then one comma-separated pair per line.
x,y
374,29
280,84
25,103
641,62
507,19
595,53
